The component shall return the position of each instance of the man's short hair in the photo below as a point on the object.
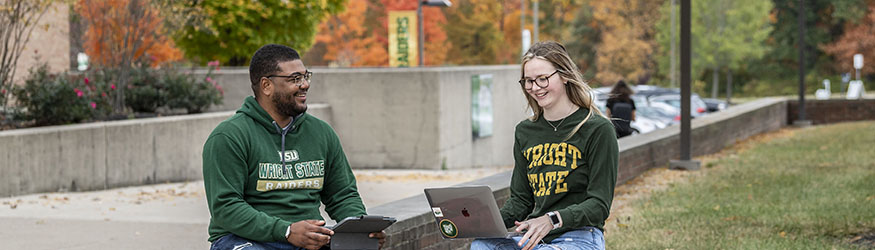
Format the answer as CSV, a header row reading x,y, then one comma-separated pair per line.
x,y
266,62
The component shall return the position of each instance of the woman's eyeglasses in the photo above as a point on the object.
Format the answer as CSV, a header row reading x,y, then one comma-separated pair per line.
x,y
542,81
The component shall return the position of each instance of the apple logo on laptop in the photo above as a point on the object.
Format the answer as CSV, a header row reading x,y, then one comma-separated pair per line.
x,y
465,212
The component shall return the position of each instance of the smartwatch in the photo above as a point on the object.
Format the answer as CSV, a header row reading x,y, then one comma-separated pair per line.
x,y
554,218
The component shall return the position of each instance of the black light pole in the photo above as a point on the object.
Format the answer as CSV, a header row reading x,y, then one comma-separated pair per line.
x,y
685,161
801,120
421,44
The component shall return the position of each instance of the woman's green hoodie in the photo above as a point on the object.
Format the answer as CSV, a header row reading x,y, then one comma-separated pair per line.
x,y
260,178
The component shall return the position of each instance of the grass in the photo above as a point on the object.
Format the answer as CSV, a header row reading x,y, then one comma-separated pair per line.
x,y
811,188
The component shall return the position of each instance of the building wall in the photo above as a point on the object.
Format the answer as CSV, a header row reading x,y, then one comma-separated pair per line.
x,y
49,43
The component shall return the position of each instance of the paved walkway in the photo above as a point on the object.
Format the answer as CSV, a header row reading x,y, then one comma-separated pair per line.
x,y
166,216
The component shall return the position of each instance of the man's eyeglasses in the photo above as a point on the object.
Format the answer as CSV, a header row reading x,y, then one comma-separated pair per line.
x,y
542,81
296,78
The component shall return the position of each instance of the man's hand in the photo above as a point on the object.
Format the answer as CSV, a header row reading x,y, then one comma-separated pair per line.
x,y
380,236
536,228
309,234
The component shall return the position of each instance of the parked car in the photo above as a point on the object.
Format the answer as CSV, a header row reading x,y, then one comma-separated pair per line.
x,y
714,105
697,106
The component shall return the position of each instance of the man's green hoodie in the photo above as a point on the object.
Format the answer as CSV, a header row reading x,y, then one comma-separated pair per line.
x,y
260,178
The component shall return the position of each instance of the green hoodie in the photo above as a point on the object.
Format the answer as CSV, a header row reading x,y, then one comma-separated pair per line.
x,y
575,177
258,181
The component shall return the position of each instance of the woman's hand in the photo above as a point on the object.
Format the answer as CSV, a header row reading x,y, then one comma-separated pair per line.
x,y
536,228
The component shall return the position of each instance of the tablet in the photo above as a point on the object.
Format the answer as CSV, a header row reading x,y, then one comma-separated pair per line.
x,y
352,232
362,224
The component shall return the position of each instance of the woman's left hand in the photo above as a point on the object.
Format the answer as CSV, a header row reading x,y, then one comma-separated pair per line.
x,y
536,228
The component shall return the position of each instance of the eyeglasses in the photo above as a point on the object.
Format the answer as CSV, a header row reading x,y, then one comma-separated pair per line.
x,y
542,81
296,78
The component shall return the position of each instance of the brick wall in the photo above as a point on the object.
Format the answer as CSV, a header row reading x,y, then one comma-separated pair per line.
x,y
832,111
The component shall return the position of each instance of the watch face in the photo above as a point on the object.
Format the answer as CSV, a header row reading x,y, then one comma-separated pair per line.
x,y
554,218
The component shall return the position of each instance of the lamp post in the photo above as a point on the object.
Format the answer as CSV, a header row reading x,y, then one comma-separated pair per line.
x,y
421,44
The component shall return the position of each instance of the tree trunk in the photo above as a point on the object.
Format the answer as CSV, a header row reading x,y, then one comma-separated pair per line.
x,y
728,86
715,83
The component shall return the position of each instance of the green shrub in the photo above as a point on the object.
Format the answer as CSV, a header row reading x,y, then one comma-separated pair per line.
x,y
193,95
50,99
145,91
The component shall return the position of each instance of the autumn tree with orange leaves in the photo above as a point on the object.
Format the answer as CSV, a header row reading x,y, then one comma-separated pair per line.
x,y
348,42
124,31
121,33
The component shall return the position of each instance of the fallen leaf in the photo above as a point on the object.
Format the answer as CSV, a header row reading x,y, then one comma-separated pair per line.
x,y
870,198
783,234
717,208
112,209
40,222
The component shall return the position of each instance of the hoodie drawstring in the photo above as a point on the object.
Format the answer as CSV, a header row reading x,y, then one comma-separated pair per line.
x,y
282,132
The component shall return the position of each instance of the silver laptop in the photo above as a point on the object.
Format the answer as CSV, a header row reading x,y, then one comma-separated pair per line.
x,y
466,212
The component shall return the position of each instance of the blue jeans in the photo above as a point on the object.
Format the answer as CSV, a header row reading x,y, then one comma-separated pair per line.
x,y
234,242
582,239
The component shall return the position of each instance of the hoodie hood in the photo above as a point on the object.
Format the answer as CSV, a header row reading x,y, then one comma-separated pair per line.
x,y
252,109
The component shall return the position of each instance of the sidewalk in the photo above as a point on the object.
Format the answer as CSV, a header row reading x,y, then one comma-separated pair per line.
x,y
167,216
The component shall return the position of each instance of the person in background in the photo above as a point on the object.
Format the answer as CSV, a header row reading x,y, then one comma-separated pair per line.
x,y
268,168
565,160
621,108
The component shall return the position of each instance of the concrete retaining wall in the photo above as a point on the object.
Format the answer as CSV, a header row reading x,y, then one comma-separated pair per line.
x,y
103,155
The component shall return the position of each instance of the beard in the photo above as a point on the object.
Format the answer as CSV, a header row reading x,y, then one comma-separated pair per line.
x,y
287,104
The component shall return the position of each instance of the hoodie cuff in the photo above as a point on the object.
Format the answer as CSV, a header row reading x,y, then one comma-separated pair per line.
x,y
279,230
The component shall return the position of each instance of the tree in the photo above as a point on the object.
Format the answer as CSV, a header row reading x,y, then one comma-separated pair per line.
x,y
858,38
125,31
627,39
825,20
585,35
120,33
347,42
232,30
17,19
726,34
474,35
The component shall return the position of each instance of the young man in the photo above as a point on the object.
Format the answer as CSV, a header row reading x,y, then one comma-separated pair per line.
x,y
268,167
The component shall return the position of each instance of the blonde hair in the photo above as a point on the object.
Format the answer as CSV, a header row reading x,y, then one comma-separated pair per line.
x,y
577,89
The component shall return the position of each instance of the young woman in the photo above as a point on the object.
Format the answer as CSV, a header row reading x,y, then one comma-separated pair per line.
x,y
565,160
621,108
